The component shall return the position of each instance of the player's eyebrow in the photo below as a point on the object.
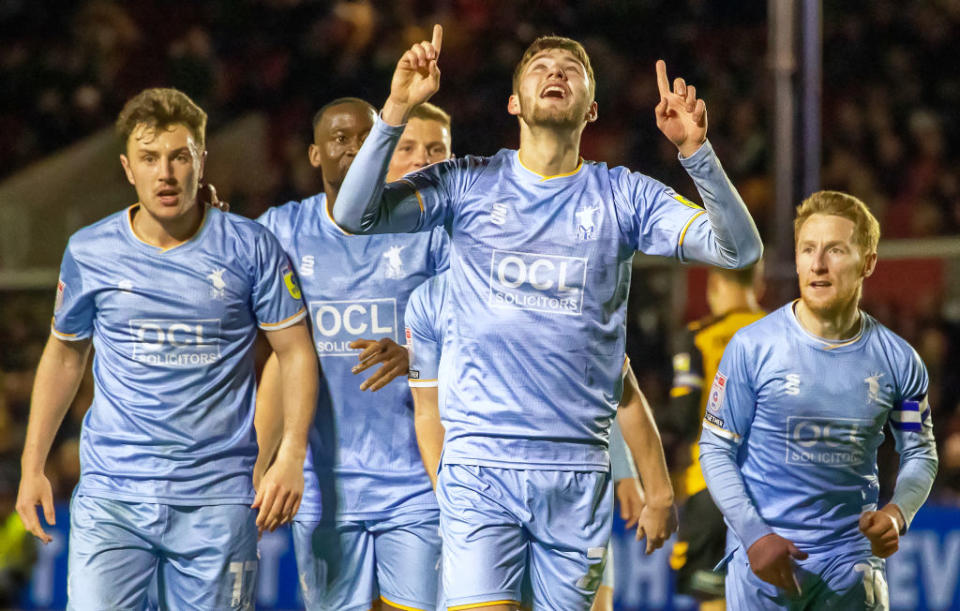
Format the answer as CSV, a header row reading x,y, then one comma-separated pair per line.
x,y
829,244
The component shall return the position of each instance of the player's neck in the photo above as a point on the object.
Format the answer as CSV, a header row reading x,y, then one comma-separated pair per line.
x,y
549,152
331,191
841,324
166,233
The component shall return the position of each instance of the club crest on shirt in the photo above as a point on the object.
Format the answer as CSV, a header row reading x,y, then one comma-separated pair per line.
x,y
717,392
218,288
586,222
873,387
394,262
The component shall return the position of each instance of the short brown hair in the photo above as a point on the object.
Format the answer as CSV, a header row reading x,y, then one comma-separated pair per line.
x,y
866,228
161,108
430,112
545,43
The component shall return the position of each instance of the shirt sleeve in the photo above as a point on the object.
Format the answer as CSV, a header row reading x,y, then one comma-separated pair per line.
x,y
75,306
417,202
731,405
276,299
439,250
912,429
423,343
722,233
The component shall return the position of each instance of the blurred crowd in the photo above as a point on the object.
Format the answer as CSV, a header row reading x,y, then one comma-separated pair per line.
x,y
890,129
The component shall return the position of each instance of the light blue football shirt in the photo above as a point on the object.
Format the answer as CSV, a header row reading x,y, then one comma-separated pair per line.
x,y
427,326
801,419
173,332
363,461
540,273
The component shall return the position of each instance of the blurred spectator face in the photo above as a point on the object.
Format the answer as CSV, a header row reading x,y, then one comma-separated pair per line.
x,y
554,91
423,142
337,138
830,264
164,166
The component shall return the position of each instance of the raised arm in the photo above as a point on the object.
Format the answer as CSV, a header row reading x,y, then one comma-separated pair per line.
x,y
658,519
58,376
281,490
726,235
364,204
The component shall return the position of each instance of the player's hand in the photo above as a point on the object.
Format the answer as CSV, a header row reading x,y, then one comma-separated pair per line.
x,y
280,492
657,523
36,490
415,79
207,195
630,496
770,560
680,115
395,359
882,528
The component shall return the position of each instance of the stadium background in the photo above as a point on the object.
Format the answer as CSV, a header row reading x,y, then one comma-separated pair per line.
x,y
260,67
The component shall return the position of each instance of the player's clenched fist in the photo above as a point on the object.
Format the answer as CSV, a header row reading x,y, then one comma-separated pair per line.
x,y
771,559
883,531
415,80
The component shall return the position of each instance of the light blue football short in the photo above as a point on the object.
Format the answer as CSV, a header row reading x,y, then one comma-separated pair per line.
x,y
504,527
201,557
841,582
348,565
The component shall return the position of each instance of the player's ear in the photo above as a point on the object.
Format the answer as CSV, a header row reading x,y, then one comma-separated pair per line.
x,y
313,154
126,169
869,264
513,104
203,164
592,112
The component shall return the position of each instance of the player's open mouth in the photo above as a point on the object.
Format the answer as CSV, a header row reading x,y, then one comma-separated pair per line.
x,y
553,91
820,284
168,196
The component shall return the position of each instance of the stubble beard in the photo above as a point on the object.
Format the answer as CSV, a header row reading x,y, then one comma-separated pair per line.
x,y
570,118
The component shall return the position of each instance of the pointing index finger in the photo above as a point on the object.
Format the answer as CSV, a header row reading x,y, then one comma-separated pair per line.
x,y
662,83
437,37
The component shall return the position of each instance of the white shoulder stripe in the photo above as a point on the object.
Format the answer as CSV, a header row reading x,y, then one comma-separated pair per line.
x,y
719,432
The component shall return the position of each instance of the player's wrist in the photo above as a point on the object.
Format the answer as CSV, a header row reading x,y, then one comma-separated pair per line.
x,y
395,113
292,451
690,148
896,514
31,466
659,499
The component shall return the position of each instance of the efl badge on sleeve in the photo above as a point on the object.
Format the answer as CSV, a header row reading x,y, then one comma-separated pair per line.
x,y
290,281
717,390
59,301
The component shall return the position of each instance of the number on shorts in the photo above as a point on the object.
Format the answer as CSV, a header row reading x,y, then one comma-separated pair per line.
x,y
874,585
239,571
